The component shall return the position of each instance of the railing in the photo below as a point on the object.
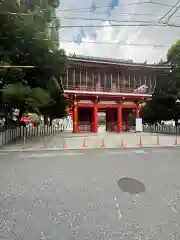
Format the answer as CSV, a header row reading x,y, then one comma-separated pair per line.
x,y
163,129
112,90
12,135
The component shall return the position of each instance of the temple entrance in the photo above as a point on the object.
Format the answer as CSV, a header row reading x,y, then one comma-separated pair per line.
x,y
107,120
96,117
101,121
93,85
85,119
128,120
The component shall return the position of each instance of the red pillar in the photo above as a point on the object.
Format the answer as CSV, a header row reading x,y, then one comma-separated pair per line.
x,y
112,120
75,118
95,118
138,112
126,119
119,119
107,120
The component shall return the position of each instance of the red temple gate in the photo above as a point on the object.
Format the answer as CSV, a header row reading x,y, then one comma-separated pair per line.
x,y
105,85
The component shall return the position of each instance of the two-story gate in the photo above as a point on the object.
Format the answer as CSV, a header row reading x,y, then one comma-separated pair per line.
x,y
114,87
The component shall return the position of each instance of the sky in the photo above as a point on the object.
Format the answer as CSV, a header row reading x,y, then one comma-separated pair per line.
x,y
120,40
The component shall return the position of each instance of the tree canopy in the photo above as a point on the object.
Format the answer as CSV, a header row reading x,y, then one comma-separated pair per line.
x,y
29,37
165,100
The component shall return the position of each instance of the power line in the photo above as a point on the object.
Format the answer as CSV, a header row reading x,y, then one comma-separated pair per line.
x,y
166,14
160,3
120,44
123,13
114,25
143,23
173,13
122,25
127,24
150,24
97,7
100,42
109,20
114,14
120,5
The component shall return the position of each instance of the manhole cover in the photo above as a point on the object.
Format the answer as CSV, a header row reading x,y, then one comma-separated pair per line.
x,y
131,186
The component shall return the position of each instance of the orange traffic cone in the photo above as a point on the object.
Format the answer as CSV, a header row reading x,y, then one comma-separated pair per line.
x,y
176,141
102,145
140,142
84,143
122,143
64,144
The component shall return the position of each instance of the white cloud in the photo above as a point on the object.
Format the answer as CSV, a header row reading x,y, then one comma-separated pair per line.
x,y
120,35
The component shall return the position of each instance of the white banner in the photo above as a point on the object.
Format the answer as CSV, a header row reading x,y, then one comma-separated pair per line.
x,y
139,126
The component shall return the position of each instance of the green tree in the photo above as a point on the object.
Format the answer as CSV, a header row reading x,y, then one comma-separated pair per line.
x,y
165,100
44,14
23,41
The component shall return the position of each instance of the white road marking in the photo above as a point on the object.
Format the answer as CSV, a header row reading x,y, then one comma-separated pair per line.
x,y
42,236
39,155
72,153
118,153
119,214
139,151
43,155
167,203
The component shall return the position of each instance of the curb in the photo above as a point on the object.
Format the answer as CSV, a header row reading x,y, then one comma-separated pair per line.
x,y
87,148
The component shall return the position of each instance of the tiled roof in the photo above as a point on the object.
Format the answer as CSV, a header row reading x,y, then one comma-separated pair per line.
x,y
116,62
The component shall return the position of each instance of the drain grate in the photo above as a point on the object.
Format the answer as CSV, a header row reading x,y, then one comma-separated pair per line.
x,y
131,186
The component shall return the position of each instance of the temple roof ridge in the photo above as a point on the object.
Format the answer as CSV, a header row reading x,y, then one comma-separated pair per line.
x,y
115,61
101,58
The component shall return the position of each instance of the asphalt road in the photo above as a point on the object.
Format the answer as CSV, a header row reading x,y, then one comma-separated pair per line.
x,y
74,195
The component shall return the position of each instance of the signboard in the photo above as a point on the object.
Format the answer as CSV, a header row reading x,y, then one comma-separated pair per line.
x,y
139,126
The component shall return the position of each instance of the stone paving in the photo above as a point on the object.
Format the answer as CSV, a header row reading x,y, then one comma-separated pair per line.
x,y
88,140
74,195
44,142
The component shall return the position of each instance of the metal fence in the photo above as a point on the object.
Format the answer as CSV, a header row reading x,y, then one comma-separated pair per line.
x,y
163,129
18,133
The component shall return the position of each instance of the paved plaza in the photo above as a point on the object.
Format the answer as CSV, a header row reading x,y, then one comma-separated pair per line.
x,y
74,195
67,140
